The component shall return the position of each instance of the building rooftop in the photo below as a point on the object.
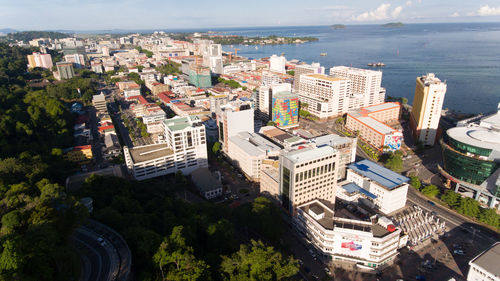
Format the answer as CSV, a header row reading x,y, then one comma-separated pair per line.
x,y
478,137
205,180
331,140
309,153
430,78
381,175
352,188
180,123
382,106
373,123
355,70
325,77
253,144
285,95
149,152
488,260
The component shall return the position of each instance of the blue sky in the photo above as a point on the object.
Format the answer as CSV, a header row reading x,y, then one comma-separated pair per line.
x,y
152,14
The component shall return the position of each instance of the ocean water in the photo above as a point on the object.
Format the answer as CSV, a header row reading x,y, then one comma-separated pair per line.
x,y
466,55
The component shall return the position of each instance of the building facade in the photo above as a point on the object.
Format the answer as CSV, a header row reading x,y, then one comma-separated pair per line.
x,y
484,267
285,110
365,85
313,68
277,63
471,159
368,244
40,60
426,108
264,99
65,70
185,150
307,174
390,188
233,118
324,95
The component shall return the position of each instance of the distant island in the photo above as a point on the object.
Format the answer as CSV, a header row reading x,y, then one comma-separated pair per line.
x,y
225,39
337,26
393,24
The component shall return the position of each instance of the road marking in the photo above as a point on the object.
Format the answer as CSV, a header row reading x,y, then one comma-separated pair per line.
x,y
95,252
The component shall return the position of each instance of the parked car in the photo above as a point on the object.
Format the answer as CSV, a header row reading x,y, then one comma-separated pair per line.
x,y
430,202
458,252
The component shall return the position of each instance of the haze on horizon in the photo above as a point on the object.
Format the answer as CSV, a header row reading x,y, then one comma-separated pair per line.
x,y
163,14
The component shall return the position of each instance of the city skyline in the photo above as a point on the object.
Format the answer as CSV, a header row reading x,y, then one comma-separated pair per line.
x,y
154,14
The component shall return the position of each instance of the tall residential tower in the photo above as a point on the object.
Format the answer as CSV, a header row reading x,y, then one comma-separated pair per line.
x,y
426,110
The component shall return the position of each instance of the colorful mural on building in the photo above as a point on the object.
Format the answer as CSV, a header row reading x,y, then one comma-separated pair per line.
x,y
285,110
392,142
351,246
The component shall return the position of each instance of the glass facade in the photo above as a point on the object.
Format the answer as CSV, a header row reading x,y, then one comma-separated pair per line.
x,y
468,168
285,199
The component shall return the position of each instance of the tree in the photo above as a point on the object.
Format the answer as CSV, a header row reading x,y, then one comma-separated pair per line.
x,y
258,263
468,207
271,123
290,72
176,259
430,190
415,182
394,162
340,120
303,105
216,147
451,198
489,216
404,100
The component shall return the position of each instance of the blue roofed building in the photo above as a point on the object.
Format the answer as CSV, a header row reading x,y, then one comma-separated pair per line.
x,y
388,187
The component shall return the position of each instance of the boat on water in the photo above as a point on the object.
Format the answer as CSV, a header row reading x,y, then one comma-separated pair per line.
x,y
256,48
376,64
323,54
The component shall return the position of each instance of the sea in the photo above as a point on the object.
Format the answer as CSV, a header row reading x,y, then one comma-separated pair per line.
x,y
465,55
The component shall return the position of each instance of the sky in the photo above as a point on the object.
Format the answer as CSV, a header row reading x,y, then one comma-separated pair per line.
x,y
203,14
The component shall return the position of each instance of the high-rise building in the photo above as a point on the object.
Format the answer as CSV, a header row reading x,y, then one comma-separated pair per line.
x,y
365,85
426,109
65,70
277,64
200,76
269,78
264,100
185,150
307,174
233,118
314,68
99,102
324,95
40,60
105,51
285,110
77,59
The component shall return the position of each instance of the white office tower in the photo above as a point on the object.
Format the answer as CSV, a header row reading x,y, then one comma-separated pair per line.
x,y
314,68
265,98
324,95
277,64
307,174
233,118
365,85
484,267
185,150
215,58
269,78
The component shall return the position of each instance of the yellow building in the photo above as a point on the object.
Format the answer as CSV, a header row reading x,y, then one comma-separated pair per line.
x,y
426,109
79,154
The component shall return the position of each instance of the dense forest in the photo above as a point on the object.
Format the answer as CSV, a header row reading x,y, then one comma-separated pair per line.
x,y
30,35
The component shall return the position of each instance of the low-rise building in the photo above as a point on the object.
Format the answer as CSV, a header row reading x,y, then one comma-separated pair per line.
x,y
79,154
209,186
269,179
484,267
334,232
390,188
370,125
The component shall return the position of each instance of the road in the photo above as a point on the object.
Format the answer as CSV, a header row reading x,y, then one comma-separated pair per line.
x,y
96,143
109,261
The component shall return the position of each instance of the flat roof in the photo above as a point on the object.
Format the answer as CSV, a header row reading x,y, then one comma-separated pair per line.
x,y
149,152
253,144
179,123
309,153
325,77
375,124
380,174
332,140
488,260
352,188
285,95
205,180
382,106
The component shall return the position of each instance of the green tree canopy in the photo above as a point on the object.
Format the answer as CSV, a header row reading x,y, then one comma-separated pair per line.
x,y
415,182
489,216
430,190
469,207
258,262
394,162
451,198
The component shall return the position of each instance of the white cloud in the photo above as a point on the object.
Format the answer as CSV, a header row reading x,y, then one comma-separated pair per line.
x,y
455,14
396,12
487,11
408,3
382,12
